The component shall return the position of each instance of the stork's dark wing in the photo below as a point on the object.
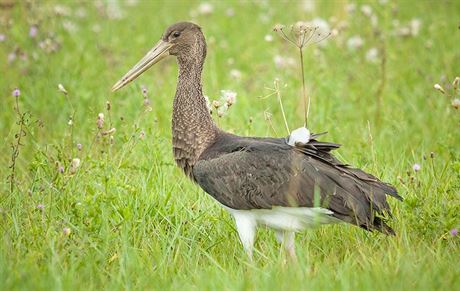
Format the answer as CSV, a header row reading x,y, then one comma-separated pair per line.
x,y
251,173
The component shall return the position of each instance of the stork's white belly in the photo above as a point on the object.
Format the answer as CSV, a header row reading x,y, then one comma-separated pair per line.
x,y
286,218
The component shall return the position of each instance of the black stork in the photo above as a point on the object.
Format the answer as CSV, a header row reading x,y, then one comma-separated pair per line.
x,y
261,181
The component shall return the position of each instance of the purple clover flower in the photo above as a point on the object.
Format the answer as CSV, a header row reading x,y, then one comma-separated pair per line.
x,y
40,206
454,232
33,31
16,92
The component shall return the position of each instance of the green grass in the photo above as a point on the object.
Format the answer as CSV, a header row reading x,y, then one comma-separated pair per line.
x,y
137,223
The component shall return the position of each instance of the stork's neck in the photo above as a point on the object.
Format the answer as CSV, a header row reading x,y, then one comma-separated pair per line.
x,y
193,129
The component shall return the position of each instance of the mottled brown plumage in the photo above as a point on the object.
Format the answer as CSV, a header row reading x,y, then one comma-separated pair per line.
x,y
250,173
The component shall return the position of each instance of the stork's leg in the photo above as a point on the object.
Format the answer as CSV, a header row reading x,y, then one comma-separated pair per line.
x,y
287,240
246,226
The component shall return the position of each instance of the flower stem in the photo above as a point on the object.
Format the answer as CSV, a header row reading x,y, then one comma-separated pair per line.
x,y
306,99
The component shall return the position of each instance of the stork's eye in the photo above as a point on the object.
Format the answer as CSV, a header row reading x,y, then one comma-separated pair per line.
x,y
176,34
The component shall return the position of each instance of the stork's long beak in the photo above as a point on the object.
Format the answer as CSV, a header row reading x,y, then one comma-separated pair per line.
x,y
157,53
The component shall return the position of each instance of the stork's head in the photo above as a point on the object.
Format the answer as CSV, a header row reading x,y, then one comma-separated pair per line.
x,y
180,39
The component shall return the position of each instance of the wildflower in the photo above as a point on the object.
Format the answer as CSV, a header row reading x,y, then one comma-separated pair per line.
x,y
66,231
100,120
416,167
283,62
16,92
355,42
308,5
216,104
11,57
268,38
455,83
456,103
40,206
230,12
278,27
113,10
70,26
61,10
110,131
351,8
235,74
80,13
70,122
439,88
229,97
33,31
415,25
108,105
75,163
61,169
2,37
372,55
222,109
79,146
453,232
366,10
147,102
62,89
144,91
205,8
142,135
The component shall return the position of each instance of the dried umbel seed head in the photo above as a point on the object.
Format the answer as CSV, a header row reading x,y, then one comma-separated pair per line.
x,y
455,83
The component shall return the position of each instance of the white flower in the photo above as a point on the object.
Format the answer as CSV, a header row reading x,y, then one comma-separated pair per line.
x,y
75,163
416,167
268,38
355,42
415,25
283,62
235,74
308,5
222,110
62,89
372,55
366,10
350,8
205,8
456,103
439,88
299,136
229,97
66,231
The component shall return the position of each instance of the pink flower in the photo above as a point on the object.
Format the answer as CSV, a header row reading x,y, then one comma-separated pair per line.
x,y
16,92
33,31
416,167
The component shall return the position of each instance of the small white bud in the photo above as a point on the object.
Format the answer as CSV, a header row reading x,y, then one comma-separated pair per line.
x,y
439,88
62,89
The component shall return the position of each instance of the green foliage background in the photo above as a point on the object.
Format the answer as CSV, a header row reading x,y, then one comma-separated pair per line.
x,y
137,223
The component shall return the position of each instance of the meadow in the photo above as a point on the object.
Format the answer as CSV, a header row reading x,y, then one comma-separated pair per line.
x,y
91,201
